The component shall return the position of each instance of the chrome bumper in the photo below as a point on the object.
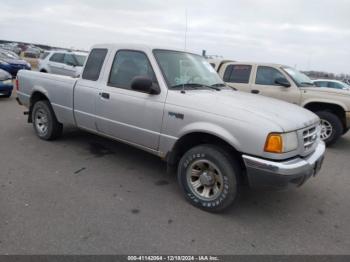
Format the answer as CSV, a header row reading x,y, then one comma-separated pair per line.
x,y
267,173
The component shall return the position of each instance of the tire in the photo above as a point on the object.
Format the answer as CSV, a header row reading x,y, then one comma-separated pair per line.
x,y
195,163
45,122
8,95
332,127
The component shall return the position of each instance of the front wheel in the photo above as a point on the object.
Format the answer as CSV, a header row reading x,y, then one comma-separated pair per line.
x,y
331,127
8,94
45,123
208,177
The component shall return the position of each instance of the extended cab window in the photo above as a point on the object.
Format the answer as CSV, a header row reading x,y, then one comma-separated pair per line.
x,y
237,74
58,58
126,66
94,64
266,75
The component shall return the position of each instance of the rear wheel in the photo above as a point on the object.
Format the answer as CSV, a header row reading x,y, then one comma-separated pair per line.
x,y
45,123
331,127
208,177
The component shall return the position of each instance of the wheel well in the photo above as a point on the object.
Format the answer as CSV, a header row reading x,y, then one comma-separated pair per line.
x,y
43,71
191,140
36,96
333,108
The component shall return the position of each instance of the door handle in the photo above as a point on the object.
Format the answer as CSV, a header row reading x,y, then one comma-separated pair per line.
x,y
104,95
255,91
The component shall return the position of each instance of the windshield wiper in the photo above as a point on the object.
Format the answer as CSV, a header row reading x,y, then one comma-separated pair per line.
x,y
195,86
223,85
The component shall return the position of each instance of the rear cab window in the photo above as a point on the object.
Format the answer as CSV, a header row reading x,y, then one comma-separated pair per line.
x,y
237,74
94,64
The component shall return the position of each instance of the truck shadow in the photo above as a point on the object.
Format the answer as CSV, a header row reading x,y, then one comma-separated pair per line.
x,y
251,202
343,144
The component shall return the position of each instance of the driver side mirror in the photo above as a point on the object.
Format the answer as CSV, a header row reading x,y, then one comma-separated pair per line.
x,y
145,85
282,82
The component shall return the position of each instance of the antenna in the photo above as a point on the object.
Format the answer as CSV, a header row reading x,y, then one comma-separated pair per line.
x,y
186,28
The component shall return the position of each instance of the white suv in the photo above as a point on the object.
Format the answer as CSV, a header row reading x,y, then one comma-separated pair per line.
x,y
62,63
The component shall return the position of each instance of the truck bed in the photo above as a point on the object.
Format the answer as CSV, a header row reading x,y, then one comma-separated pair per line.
x,y
58,89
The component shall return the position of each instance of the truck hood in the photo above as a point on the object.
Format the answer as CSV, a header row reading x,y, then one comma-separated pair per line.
x,y
238,105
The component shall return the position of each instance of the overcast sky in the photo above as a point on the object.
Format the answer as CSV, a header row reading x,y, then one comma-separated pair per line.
x,y
313,34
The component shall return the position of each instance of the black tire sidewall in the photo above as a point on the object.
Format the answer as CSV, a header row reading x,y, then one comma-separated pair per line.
x,y
50,118
228,171
337,126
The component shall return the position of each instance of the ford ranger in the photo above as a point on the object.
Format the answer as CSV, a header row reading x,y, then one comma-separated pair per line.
x,y
174,105
288,84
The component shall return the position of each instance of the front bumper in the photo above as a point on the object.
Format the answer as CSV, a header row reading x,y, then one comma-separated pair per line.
x,y
273,174
5,88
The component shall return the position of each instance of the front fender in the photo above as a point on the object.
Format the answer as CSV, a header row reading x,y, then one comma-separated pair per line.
x,y
211,129
326,101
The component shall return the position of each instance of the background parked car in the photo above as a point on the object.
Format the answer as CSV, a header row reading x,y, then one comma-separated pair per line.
x,y
288,84
11,63
331,84
31,57
13,47
62,63
6,85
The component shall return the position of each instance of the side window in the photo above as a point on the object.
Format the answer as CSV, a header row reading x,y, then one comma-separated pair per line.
x,y
127,65
335,85
58,58
321,84
237,74
267,75
94,64
69,60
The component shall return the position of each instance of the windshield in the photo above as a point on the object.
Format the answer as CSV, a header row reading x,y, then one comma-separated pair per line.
x,y
80,59
299,78
180,68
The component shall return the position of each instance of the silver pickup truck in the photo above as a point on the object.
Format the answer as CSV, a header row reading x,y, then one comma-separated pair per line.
x,y
173,104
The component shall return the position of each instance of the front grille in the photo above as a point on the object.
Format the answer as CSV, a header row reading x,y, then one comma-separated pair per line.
x,y
310,136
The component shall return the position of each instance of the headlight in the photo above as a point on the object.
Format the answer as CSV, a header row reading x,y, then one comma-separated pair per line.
x,y
281,142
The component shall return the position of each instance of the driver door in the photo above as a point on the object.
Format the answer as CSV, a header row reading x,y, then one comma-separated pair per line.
x,y
126,114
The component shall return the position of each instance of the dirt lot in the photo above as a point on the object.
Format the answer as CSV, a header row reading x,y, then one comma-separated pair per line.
x,y
84,194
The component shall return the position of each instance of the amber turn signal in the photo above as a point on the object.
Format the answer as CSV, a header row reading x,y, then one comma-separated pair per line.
x,y
274,143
